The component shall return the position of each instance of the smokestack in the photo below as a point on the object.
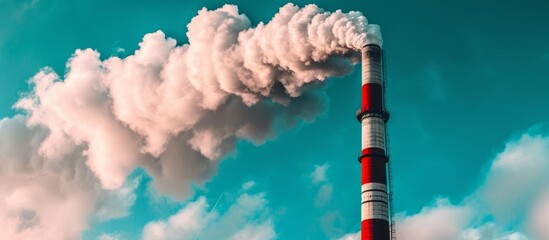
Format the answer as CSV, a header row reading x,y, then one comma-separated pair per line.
x,y
373,158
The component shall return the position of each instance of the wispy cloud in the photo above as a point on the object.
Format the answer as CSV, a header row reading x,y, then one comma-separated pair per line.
x,y
320,180
23,7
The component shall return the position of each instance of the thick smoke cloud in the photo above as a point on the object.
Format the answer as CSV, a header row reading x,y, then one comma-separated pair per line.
x,y
178,110
173,110
50,198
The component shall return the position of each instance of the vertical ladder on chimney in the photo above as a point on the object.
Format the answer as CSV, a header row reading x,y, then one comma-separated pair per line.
x,y
391,194
389,161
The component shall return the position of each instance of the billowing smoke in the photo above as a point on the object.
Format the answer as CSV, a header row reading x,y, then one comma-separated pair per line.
x,y
176,110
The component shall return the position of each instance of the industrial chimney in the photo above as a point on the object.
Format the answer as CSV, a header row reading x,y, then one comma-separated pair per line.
x,y
375,215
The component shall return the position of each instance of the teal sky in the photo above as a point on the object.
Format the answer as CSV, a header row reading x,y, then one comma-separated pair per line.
x,y
465,78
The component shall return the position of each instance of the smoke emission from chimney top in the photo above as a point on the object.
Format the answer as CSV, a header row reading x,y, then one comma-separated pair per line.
x,y
176,110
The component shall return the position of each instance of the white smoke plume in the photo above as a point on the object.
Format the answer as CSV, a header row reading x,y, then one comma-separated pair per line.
x,y
173,110
50,199
177,110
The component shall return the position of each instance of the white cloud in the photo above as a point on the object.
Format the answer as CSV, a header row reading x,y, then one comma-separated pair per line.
x,y
246,217
108,237
490,231
516,178
445,221
539,217
438,222
263,231
183,225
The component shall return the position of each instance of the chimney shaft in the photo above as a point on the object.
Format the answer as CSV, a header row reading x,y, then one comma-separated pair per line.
x,y
373,158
